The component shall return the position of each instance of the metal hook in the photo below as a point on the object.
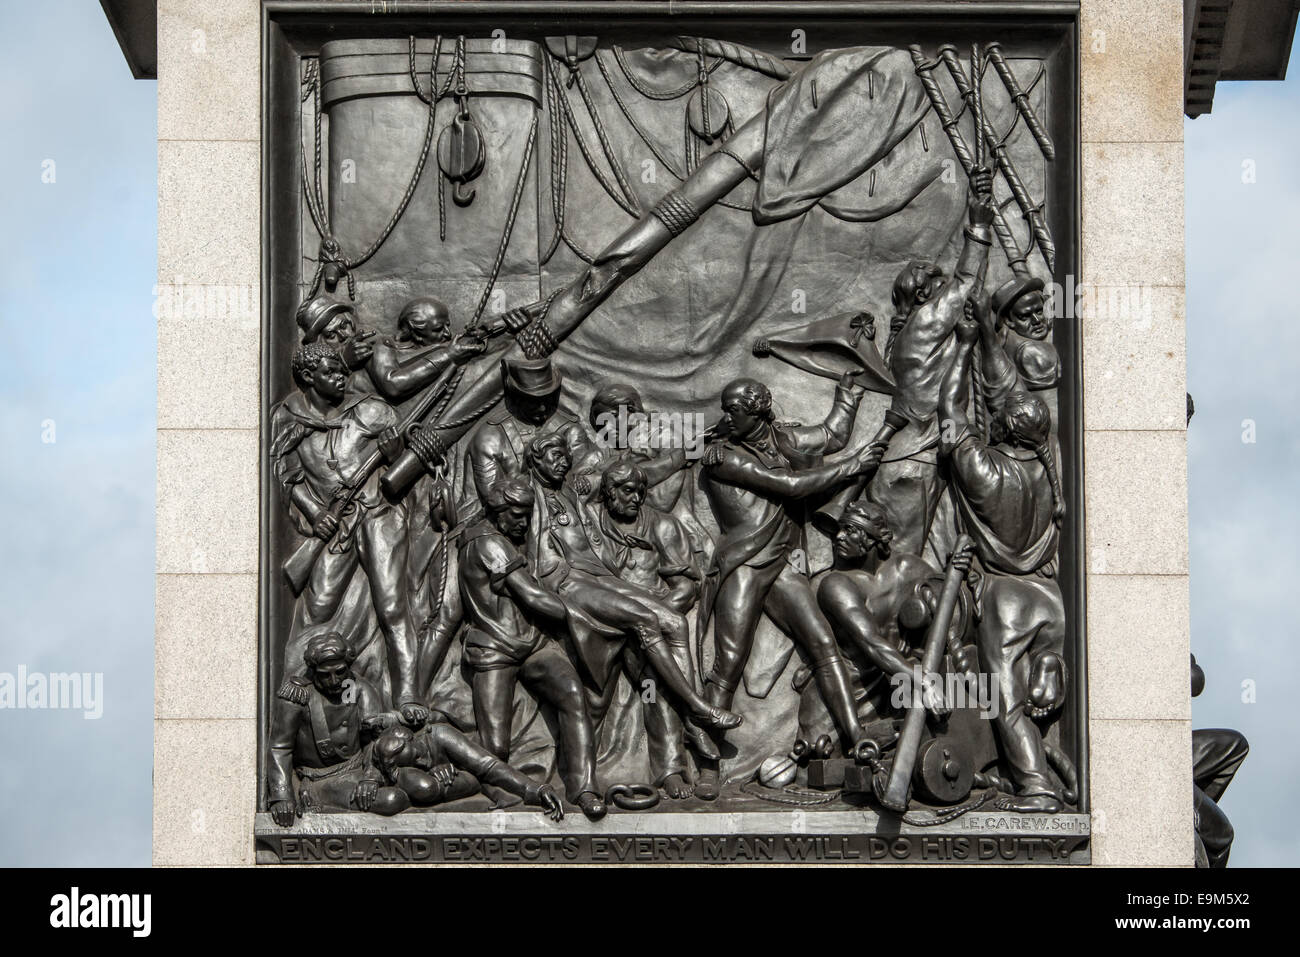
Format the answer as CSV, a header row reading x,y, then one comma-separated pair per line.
x,y
462,194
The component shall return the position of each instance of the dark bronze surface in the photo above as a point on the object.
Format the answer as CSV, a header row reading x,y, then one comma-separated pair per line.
x,y
663,418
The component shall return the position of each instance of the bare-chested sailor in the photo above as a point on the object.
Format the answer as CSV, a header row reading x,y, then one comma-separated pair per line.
x,y
907,484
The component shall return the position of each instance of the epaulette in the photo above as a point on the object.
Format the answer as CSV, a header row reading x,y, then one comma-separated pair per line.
x,y
712,454
786,425
294,689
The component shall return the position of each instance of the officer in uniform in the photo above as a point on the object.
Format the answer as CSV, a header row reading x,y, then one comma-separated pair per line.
x,y
756,477
318,724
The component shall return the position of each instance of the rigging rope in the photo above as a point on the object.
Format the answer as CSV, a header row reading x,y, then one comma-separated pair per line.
x,y
320,217
601,178
639,130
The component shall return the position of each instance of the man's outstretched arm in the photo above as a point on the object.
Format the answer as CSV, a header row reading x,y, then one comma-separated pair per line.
x,y
953,424
834,433
733,469
977,238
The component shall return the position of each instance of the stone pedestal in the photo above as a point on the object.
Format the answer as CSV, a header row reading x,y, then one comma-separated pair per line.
x,y
212,390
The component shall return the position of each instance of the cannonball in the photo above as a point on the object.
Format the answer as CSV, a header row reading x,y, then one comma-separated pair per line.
x,y
777,771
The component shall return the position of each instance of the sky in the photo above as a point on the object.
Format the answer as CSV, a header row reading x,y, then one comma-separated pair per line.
x,y
78,188
1242,210
78,184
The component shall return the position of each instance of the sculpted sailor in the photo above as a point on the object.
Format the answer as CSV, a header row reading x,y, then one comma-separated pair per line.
x,y
920,351
652,550
531,408
1010,502
1020,309
880,601
320,722
437,764
321,438
569,555
400,366
504,646
622,427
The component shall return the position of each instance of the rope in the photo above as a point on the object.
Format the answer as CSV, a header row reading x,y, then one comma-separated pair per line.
x,y
439,595
559,165
790,795
952,813
746,57
980,388
433,71
636,127
659,155
511,216
1032,212
587,155
310,82
442,206
450,390
313,188
468,417
1021,99
406,196
644,90
578,251
938,102
436,94
704,94
601,135
316,217
316,111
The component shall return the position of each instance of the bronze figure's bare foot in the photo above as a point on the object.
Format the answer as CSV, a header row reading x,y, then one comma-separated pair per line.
x,y
1046,686
590,803
1043,803
414,714
677,787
